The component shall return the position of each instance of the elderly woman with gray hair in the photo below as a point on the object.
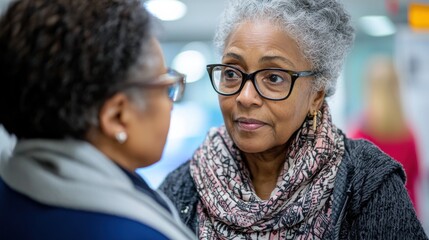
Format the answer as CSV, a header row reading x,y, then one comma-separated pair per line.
x,y
279,168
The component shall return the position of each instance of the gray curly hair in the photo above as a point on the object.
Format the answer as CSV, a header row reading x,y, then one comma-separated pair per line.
x,y
321,29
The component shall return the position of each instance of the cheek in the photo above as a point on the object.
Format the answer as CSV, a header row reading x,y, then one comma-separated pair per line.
x,y
161,119
226,105
163,126
288,117
156,125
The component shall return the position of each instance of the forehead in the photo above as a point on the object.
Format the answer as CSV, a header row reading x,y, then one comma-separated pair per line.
x,y
150,62
257,39
152,55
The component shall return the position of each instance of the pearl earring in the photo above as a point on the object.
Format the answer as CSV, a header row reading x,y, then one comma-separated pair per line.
x,y
121,137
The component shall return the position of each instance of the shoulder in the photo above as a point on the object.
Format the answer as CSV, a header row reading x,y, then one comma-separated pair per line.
x,y
179,187
178,180
42,220
377,204
368,160
369,169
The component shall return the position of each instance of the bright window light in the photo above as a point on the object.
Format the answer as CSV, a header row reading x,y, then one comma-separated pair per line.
x,y
377,26
166,10
192,63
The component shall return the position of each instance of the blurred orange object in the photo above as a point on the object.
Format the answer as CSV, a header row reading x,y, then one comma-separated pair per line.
x,y
418,15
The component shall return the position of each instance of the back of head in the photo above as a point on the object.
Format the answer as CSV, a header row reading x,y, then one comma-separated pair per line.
x,y
382,78
59,60
382,96
321,28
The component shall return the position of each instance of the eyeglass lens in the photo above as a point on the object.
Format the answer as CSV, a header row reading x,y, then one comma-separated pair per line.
x,y
274,84
175,91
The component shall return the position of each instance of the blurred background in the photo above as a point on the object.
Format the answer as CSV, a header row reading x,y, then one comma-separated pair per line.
x,y
396,29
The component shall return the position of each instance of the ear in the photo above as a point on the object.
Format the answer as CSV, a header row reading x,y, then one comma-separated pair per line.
x,y
113,115
317,101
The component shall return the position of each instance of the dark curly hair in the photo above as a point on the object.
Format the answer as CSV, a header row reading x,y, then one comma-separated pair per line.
x,y
59,59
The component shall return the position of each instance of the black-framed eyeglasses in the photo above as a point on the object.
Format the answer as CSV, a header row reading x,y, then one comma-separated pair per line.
x,y
173,80
271,83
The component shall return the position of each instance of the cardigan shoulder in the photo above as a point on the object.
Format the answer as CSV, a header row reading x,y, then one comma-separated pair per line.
x,y
178,183
361,172
370,196
369,168
180,189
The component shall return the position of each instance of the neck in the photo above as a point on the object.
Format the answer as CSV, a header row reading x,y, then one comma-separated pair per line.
x,y
265,169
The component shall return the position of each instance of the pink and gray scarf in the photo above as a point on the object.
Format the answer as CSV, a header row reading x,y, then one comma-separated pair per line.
x,y
299,207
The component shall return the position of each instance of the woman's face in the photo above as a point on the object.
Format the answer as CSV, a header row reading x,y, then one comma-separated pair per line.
x,y
148,128
256,124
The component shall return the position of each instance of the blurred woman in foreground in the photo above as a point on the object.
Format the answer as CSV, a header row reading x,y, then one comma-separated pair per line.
x,y
85,90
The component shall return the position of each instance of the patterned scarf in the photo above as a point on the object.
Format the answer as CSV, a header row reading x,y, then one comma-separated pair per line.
x,y
299,207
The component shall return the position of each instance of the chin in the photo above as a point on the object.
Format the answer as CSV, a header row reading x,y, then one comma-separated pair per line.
x,y
147,164
249,147
147,161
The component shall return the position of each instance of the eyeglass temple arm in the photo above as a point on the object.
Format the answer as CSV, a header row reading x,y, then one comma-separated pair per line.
x,y
305,74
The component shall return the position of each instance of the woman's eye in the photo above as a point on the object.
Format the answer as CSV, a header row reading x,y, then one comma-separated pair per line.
x,y
230,74
275,78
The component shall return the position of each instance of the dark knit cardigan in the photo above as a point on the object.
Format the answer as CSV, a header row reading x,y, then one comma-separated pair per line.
x,y
370,200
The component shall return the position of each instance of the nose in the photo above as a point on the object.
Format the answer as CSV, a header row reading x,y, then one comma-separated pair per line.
x,y
248,95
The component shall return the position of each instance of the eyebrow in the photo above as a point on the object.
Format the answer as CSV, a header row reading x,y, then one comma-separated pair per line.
x,y
272,58
262,60
234,55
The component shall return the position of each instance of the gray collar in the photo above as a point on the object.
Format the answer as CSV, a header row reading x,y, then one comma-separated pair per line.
x,y
59,173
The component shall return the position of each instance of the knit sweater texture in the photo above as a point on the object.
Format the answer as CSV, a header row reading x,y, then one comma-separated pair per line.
x,y
370,199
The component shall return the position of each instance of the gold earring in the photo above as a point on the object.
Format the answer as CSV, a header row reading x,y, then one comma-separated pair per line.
x,y
314,120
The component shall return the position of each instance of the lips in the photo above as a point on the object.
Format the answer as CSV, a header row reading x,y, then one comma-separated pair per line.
x,y
249,124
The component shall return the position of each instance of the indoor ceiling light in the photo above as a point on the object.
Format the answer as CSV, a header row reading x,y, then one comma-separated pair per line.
x,y
192,63
377,26
166,10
